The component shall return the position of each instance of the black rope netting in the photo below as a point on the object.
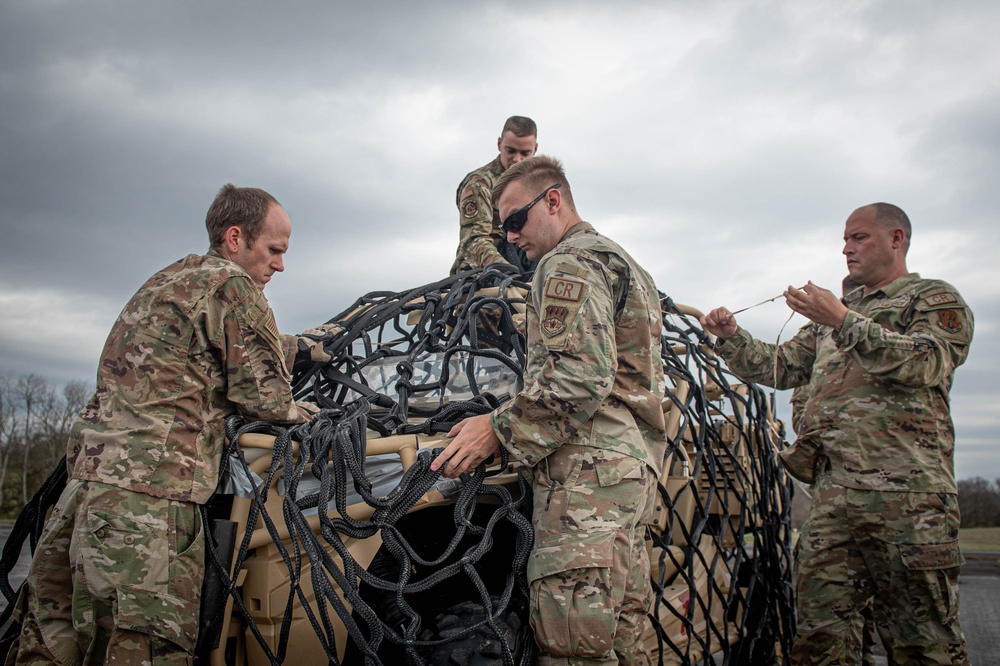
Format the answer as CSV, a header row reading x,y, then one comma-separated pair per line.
x,y
447,583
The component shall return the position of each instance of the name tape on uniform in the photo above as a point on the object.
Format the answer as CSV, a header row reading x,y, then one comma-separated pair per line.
x,y
564,289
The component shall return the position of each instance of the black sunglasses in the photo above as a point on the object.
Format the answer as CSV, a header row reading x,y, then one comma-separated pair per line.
x,y
519,217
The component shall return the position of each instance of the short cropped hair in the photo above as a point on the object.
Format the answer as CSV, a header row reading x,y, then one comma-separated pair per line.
x,y
893,217
537,173
520,126
243,207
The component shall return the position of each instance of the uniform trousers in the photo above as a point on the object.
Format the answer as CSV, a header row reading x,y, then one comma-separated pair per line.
x,y
898,550
589,568
116,579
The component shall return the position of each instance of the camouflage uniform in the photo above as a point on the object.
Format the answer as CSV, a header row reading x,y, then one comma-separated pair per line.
x,y
589,423
480,241
117,573
884,516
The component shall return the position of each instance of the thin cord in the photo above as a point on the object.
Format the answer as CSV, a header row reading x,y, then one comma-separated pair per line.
x,y
750,307
777,342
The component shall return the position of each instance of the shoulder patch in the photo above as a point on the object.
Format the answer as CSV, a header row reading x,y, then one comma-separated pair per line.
x,y
939,299
554,320
949,321
470,208
564,289
263,320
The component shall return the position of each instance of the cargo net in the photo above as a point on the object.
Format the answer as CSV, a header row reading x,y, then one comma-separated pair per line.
x,y
414,364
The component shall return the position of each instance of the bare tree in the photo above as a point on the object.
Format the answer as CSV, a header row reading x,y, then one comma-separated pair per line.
x,y
31,392
6,430
58,418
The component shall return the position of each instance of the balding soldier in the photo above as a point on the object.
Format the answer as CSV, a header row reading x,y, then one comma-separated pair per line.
x,y
481,242
117,574
883,522
588,422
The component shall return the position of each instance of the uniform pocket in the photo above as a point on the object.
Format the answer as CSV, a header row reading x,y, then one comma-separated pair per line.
x,y
611,472
132,562
123,550
931,580
573,612
159,614
924,556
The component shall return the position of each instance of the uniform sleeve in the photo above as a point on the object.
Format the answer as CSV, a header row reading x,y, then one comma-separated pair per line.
x,y
755,361
578,363
257,380
289,349
933,340
475,207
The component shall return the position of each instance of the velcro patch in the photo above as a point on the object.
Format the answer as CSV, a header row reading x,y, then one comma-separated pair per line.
x,y
949,321
937,300
571,269
564,289
554,321
895,303
263,320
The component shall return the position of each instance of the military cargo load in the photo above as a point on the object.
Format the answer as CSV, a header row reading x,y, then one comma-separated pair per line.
x,y
333,542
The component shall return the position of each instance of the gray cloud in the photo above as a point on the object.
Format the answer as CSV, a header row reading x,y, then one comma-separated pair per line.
x,y
725,143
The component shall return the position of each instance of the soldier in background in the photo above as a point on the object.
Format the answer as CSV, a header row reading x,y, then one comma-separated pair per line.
x,y
481,242
588,423
118,571
883,522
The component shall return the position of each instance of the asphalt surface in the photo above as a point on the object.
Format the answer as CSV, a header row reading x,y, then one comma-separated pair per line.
x,y
979,611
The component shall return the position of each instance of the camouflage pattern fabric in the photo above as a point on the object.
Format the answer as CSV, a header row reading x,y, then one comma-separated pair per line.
x,y
809,475
197,343
131,567
479,222
589,570
881,410
876,420
908,545
119,573
802,457
589,422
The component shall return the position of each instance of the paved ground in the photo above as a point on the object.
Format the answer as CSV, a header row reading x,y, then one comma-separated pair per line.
x,y
979,612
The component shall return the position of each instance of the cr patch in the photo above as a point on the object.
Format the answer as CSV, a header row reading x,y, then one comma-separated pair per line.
x,y
564,289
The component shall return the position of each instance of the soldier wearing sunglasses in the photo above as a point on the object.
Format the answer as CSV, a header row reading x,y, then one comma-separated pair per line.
x,y
588,423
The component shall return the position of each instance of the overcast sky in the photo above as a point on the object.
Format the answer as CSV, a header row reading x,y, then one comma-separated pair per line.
x,y
723,143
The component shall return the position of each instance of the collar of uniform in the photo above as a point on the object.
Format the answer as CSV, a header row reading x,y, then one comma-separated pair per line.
x,y
580,227
213,254
897,286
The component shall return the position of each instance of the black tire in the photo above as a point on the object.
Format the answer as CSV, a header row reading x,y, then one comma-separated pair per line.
x,y
483,646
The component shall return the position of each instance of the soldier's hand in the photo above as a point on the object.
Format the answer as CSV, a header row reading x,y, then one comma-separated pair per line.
x,y
313,350
474,441
818,304
312,342
307,409
323,331
720,322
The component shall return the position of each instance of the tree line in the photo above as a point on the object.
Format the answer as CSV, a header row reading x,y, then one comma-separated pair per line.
x,y
35,420
36,417
979,501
